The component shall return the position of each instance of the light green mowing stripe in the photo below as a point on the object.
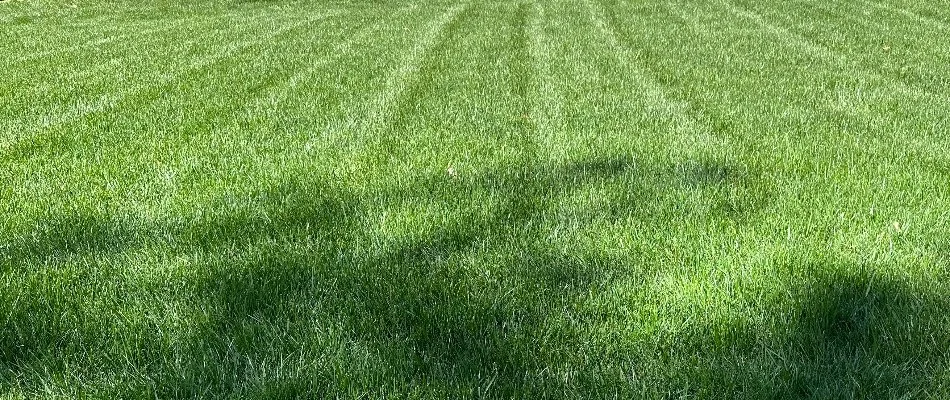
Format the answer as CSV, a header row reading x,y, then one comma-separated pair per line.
x,y
566,123
353,125
380,110
871,112
174,143
909,14
32,33
134,146
831,56
436,84
338,50
267,104
340,112
546,107
694,134
246,138
27,97
894,53
127,140
44,88
111,28
106,103
117,37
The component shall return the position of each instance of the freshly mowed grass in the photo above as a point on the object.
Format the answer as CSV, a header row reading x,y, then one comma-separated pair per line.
x,y
502,199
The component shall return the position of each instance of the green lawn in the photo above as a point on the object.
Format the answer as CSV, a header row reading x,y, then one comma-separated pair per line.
x,y
485,199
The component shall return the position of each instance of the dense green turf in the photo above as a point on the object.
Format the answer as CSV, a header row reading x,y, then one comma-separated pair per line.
x,y
535,199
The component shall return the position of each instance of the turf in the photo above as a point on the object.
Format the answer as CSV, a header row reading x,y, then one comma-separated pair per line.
x,y
484,199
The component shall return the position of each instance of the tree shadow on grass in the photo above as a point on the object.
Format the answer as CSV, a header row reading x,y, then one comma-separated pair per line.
x,y
74,236
434,317
479,304
838,332
871,336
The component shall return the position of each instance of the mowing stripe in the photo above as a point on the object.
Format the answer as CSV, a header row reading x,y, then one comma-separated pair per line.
x,y
93,19
51,119
249,101
199,108
924,41
854,15
32,37
105,40
383,106
524,79
48,86
241,118
80,73
198,26
114,35
237,48
278,93
687,126
908,14
339,49
547,106
789,37
857,114
837,60
113,100
354,132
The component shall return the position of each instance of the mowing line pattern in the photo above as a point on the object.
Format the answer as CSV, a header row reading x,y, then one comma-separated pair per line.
x,y
558,199
691,128
338,50
546,106
383,105
116,38
827,55
99,72
908,14
114,100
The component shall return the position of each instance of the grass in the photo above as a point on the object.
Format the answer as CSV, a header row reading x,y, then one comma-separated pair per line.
x,y
493,199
